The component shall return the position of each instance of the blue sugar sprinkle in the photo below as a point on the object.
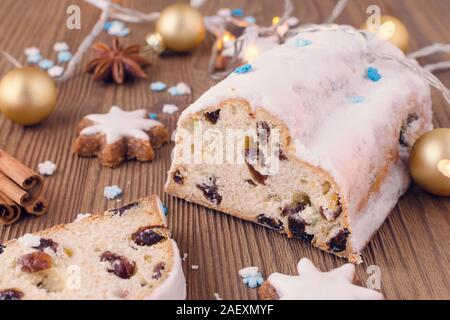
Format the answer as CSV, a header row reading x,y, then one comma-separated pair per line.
x,y
153,116
237,12
250,19
64,56
372,74
253,281
107,25
112,192
34,58
356,99
173,91
244,68
158,86
302,43
123,33
46,64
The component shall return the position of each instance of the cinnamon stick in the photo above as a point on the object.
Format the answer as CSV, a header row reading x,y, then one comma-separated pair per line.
x,y
23,176
14,192
9,211
37,208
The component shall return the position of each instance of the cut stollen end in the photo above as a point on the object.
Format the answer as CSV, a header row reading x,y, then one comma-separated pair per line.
x,y
312,284
124,253
291,151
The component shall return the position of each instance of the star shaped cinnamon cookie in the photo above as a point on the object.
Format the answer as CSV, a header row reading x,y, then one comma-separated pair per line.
x,y
312,284
120,135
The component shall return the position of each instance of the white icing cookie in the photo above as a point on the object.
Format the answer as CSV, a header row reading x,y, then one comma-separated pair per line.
x,y
118,123
312,284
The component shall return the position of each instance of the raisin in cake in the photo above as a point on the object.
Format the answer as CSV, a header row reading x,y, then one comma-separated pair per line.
x,y
125,253
310,139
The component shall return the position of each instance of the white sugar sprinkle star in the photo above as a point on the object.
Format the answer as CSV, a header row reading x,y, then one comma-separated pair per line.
x,y
46,168
312,284
118,123
169,108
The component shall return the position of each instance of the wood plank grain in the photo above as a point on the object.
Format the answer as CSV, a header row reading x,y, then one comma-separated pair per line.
x,y
411,248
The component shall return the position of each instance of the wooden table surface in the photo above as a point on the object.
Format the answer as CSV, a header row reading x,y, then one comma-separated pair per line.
x,y
411,248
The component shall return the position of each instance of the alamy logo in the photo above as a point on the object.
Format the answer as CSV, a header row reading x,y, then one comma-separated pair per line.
x,y
374,279
73,280
74,19
385,30
258,147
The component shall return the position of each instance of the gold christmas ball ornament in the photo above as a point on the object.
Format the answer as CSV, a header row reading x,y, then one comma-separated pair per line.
x,y
181,27
27,95
391,29
429,162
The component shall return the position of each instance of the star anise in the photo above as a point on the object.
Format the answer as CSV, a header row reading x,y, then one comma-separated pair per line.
x,y
116,62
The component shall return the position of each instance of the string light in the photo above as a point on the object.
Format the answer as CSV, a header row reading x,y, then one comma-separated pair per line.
x,y
275,20
386,30
251,52
227,37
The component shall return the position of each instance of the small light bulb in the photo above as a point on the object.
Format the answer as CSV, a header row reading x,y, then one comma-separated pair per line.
x,y
227,37
275,20
251,52
386,30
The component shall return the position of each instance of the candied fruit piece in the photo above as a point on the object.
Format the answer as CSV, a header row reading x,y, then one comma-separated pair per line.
x,y
158,269
10,294
325,187
339,242
178,177
35,262
210,191
119,265
282,156
213,116
255,156
47,243
297,227
148,236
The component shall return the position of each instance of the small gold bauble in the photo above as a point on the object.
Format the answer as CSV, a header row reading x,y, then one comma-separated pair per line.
x,y
27,95
393,30
429,162
181,27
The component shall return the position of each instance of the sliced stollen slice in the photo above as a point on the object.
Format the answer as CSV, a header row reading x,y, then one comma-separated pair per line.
x,y
124,253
